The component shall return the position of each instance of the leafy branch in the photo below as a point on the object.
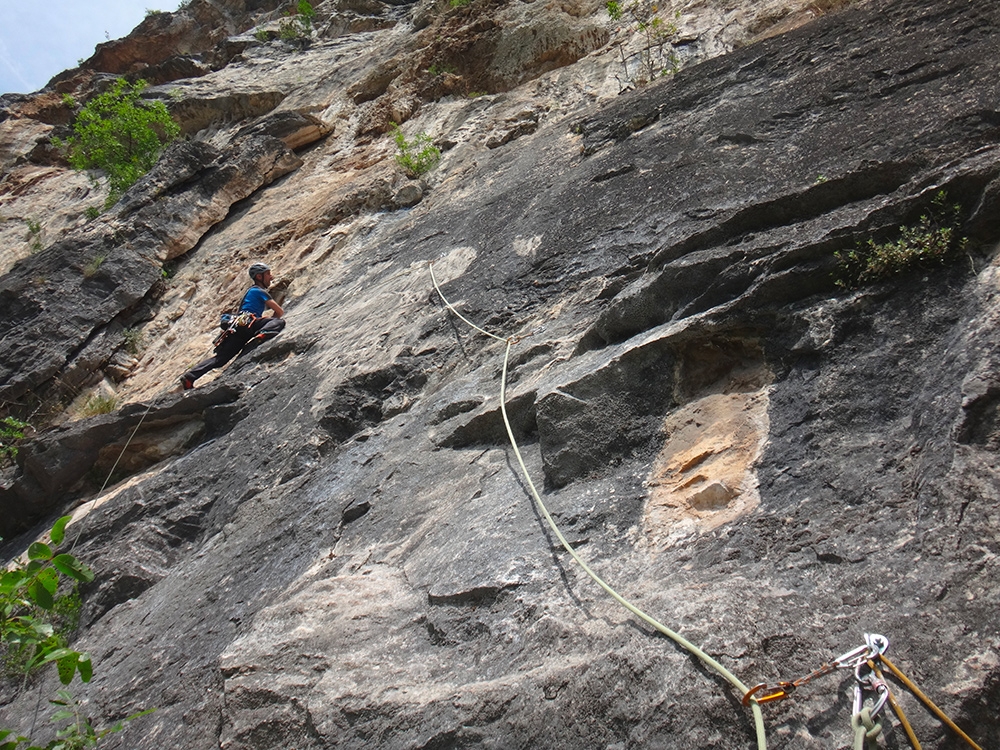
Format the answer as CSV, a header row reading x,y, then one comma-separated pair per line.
x,y
932,241
29,590
655,56
30,607
120,135
11,433
298,23
416,157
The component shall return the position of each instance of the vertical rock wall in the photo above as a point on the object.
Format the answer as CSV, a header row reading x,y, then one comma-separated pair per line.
x,y
339,551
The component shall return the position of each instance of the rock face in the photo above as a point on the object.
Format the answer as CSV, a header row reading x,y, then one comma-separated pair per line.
x,y
329,543
62,300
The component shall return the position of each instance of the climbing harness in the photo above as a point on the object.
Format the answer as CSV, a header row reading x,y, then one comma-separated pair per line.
x,y
230,324
676,637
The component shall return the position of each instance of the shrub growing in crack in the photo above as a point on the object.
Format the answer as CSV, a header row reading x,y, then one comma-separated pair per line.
x,y
119,135
655,56
416,157
932,241
297,24
11,433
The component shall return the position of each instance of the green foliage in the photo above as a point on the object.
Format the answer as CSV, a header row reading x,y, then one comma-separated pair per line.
x,y
94,265
436,70
30,602
306,12
34,620
92,212
77,733
68,101
99,404
262,35
11,433
120,135
297,24
34,234
655,56
416,157
459,3
932,241
134,341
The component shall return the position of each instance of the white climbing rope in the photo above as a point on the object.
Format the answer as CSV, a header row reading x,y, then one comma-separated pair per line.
x,y
674,636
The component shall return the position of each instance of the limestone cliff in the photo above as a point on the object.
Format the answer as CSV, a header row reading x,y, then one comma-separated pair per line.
x,y
329,543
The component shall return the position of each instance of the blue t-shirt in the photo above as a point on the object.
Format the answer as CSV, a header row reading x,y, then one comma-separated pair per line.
x,y
255,300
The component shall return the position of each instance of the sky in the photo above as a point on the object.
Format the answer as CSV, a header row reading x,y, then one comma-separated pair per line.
x,y
41,38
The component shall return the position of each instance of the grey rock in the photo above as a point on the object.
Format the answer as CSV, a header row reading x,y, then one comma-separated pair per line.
x,y
56,461
295,129
408,195
766,462
106,269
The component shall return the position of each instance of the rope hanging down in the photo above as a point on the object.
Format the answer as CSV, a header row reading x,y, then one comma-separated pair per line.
x,y
114,466
864,660
676,637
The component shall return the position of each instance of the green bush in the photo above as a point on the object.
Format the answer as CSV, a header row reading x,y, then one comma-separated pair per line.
x,y
29,595
134,341
120,135
297,24
655,56
416,157
94,265
34,234
932,241
37,615
78,731
99,404
11,433
437,70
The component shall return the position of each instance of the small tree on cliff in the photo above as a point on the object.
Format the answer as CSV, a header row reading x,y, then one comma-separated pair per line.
x,y
37,615
120,135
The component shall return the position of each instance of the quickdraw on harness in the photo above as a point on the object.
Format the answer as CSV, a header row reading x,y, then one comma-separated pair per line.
x,y
231,323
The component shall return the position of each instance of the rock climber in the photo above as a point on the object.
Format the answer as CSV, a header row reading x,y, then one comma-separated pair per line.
x,y
247,329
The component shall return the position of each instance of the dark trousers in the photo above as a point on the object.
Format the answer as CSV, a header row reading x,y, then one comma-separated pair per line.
x,y
238,342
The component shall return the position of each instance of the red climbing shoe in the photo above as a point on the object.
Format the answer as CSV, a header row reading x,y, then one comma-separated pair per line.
x,y
187,382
